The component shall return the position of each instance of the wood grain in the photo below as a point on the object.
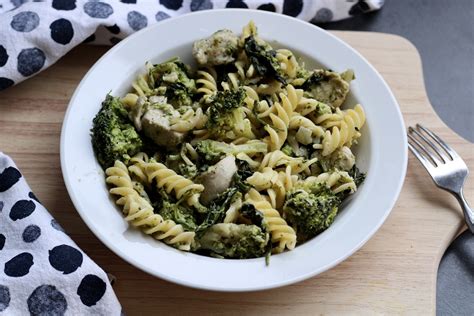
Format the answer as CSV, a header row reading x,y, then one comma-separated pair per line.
x,y
394,273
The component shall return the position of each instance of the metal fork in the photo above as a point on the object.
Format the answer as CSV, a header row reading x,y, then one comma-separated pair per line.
x,y
445,166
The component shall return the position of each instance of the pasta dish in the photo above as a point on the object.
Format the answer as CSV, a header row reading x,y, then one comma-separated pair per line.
x,y
248,154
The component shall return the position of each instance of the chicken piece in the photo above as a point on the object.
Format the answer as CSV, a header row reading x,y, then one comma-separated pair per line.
x,y
141,106
342,159
217,179
156,125
158,99
218,49
328,87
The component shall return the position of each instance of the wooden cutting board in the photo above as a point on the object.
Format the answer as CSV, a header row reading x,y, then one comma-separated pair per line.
x,y
394,273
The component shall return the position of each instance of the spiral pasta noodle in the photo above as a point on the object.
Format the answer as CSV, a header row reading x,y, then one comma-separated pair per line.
x,y
171,181
233,83
251,97
337,181
130,99
190,120
277,158
139,212
232,212
298,121
282,235
307,106
346,133
207,84
137,167
288,62
248,30
269,180
277,133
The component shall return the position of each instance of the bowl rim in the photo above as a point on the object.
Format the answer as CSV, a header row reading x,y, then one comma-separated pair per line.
x,y
118,251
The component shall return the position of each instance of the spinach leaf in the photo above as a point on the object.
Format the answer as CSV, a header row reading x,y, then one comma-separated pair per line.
x,y
218,207
264,60
243,172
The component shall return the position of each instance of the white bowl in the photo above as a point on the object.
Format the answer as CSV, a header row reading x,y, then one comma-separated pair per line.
x,y
382,153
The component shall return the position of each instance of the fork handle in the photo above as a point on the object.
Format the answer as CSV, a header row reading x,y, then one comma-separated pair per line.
x,y
468,213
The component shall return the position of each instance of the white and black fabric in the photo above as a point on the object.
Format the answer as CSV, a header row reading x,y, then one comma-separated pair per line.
x,y
35,34
42,271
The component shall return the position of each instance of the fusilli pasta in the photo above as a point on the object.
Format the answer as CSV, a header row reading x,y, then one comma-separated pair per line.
x,y
139,212
281,234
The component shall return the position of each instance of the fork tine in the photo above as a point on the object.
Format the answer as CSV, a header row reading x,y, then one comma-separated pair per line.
x,y
439,152
424,161
435,161
451,152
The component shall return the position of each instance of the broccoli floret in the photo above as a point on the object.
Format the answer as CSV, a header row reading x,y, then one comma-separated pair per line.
x,y
180,214
178,94
221,118
169,209
212,151
322,108
174,75
263,59
234,241
113,135
311,211
189,171
302,73
176,163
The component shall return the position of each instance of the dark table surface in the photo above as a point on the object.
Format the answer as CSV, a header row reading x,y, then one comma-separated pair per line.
x,y
443,33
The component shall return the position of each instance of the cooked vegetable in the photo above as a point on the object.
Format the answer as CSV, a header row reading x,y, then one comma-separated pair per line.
x,y
212,151
263,58
218,207
312,210
220,111
249,212
113,135
169,209
173,76
287,150
234,241
256,217
358,176
243,172
176,162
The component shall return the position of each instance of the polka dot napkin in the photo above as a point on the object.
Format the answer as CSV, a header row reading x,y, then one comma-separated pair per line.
x,y
42,271
35,34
